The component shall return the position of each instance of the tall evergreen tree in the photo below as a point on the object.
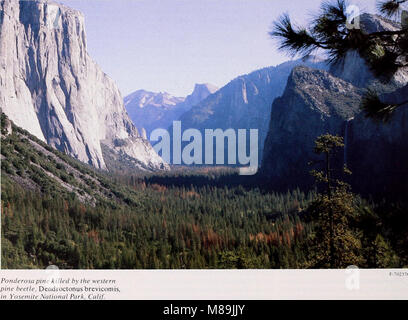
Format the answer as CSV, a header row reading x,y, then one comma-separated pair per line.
x,y
334,244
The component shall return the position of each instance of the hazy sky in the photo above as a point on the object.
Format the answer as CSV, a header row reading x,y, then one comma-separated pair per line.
x,y
169,45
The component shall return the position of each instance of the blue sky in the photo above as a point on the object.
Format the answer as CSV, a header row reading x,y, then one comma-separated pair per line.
x,y
169,45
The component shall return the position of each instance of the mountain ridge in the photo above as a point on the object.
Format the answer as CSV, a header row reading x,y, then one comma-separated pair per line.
x,y
245,102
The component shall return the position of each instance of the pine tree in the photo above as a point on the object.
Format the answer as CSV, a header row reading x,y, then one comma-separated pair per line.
x,y
384,256
334,244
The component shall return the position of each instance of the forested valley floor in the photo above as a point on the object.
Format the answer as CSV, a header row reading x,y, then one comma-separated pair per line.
x,y
56,210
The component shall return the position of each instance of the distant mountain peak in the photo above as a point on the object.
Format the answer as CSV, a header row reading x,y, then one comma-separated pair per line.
x,y
142,98
205,86
201,92
152,110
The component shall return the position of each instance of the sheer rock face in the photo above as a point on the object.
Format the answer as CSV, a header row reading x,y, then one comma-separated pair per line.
x,y
51,87
377,153
314,103
151,110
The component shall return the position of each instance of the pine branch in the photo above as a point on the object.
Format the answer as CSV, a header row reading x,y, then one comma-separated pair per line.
x,y
378,110
387,33
294,40
390,8
384,51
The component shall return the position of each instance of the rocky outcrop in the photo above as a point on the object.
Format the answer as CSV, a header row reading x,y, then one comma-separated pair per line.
x,y
314,103
355,70
6,125
51,87
151,110
200,93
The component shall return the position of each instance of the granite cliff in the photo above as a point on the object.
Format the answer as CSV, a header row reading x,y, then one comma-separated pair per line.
x,y
50,86
314,103
317,102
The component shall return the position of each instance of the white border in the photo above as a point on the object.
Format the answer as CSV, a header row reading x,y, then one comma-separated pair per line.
x,y
238,284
